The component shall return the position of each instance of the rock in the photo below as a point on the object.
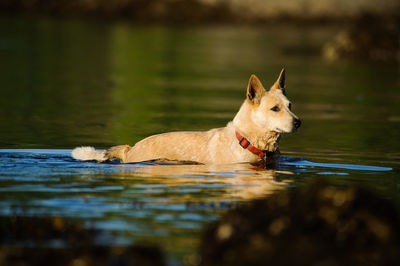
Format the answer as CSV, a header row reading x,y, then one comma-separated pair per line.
x,y
368,37
316,225
37,241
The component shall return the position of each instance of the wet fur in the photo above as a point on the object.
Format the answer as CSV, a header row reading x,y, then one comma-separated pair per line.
x,y
255,120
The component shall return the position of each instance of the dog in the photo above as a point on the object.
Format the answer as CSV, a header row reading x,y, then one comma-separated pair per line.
x,y
253,134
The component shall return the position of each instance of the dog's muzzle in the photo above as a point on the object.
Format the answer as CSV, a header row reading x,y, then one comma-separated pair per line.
x,y
296,123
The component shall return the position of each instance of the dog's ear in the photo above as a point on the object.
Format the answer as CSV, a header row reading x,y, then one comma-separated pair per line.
x,y
280,83
255,89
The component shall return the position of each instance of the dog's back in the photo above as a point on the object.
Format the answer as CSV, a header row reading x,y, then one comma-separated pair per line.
x,y
185,146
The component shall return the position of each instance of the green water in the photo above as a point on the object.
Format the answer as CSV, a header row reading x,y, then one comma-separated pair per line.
x,y
66,83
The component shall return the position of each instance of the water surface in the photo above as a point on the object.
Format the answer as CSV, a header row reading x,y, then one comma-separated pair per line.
x,y
67,83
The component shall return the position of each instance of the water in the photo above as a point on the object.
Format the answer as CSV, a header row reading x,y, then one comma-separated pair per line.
x,y
66,83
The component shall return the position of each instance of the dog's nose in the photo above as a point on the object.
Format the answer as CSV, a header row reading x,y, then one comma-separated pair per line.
x,y
297,123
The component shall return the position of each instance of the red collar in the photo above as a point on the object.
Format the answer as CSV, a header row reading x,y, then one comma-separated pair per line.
x,y
247,145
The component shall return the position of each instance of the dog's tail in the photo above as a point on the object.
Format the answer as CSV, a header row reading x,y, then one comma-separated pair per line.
x,y
90,153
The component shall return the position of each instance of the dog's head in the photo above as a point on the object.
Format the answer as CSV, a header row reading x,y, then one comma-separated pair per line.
x,y
271,109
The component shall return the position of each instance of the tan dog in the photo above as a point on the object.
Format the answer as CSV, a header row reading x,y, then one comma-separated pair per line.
x,y
252,135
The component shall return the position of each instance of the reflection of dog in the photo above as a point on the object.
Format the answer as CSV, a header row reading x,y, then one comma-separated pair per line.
x,y
253,134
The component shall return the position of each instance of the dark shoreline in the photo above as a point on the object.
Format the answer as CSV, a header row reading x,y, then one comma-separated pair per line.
x,y
176,12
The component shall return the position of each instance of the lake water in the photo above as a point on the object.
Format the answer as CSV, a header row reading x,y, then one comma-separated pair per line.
x,y
66,83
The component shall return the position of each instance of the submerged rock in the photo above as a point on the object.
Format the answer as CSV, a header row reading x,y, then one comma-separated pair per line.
x,y
90,256
37,241
317,225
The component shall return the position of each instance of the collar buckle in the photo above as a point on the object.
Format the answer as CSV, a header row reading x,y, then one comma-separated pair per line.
x,y
244,146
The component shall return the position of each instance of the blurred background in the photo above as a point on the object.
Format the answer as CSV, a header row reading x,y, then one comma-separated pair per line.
x,y
205,10
101,72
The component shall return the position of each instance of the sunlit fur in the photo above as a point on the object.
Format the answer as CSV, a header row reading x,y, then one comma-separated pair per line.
x,y
88,153
255,121
265,118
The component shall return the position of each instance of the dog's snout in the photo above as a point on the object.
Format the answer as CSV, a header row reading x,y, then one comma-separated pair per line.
x,y
297,123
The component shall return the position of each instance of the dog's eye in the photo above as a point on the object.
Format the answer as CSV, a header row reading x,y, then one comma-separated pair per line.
x,y
290,106
275,108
